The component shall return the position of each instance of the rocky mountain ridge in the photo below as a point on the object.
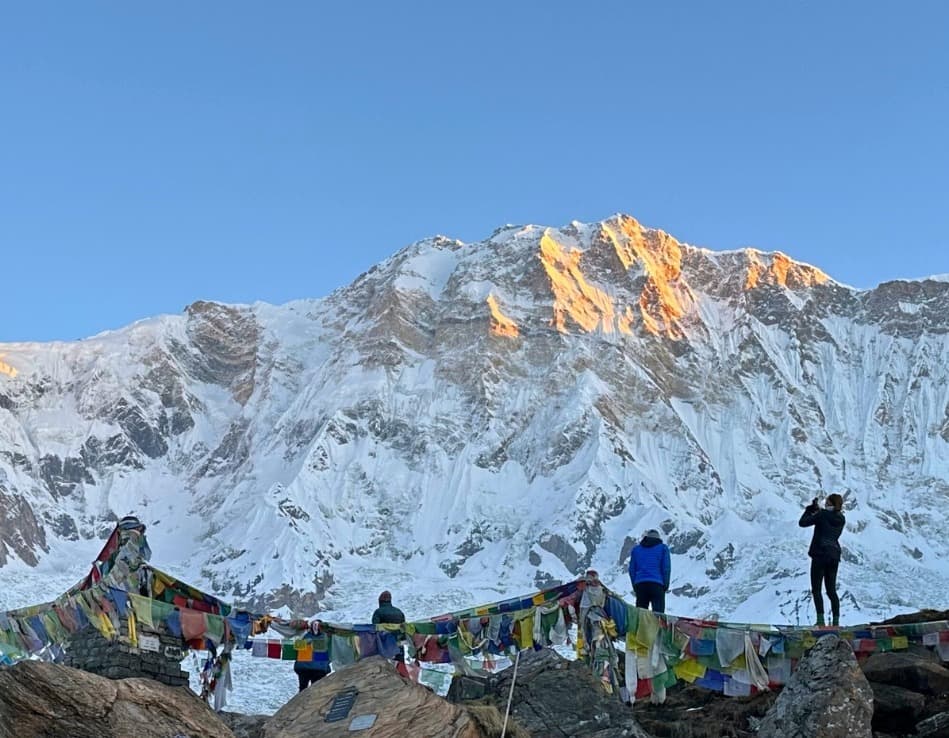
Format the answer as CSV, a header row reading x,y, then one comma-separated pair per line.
x,y
467,421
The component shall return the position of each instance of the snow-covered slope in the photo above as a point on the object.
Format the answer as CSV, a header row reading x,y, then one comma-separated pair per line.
x,y
468,421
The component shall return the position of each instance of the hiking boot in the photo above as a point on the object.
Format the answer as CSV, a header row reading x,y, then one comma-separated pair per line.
x,y
836,621
820,620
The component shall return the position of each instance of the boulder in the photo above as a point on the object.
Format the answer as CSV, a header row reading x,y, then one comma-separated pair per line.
x,y
690,711
936,726
400,706
895,710
48,700
827,696
910,670
244,726
923,616
555,698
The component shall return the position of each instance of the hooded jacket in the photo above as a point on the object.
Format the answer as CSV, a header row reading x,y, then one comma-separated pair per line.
x,y
387,613
828,525
650,562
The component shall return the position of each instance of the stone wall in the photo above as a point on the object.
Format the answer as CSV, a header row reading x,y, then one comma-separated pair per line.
x,y
90,651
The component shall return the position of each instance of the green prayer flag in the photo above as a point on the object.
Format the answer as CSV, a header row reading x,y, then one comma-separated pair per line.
x,y
215,628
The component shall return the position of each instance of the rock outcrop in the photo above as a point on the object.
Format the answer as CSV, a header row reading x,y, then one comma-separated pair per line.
x,y
827,696
401,708
41,700
693,712
910,691
244,726
553,697
916,670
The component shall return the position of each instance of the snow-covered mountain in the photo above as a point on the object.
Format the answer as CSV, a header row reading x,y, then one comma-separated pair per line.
x,y
469,421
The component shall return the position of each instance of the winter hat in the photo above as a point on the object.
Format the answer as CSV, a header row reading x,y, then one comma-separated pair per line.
x,y
652,533
386,596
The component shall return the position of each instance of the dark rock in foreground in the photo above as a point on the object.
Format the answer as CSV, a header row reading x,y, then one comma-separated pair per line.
x,y
694,712
827,696
912,670
244,726
41,700
401,708
554,698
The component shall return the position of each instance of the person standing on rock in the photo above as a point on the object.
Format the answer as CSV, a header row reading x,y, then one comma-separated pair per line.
x,y
650,570
825,552
386,612
312,662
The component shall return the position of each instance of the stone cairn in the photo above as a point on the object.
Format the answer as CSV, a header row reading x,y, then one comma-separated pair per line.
x,y
90,651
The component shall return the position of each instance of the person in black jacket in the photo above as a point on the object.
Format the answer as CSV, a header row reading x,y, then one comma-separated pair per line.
x,y
825,552
387,612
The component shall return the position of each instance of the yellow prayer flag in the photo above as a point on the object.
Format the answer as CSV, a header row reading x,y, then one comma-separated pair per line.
x,y
104,626
133,635
526,639
142,607
648,628
689,670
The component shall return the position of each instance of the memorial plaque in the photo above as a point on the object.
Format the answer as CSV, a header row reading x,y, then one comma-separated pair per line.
x,y
149,643
342,704
361,722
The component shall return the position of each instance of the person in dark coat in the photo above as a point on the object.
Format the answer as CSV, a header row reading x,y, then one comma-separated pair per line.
x,y
386,612
650,569
828,524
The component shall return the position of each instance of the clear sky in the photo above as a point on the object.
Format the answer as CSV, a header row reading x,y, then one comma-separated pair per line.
x,y
153,154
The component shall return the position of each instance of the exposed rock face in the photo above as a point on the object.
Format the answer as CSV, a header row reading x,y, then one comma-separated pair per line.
x,y
505,414
828,696
919,673
402,708
936,726
554,697
694,712
244,726
895,709
910,688
20,532
40,700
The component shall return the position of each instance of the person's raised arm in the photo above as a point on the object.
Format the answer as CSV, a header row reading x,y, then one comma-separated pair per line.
x,y
809,516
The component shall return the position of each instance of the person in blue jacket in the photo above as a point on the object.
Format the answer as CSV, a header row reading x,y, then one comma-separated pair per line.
x,y
650,568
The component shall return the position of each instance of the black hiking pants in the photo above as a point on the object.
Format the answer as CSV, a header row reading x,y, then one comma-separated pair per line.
x,y
308,677
650,594
824,571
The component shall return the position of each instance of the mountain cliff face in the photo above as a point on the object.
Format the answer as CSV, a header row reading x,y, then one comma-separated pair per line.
x,y
466,421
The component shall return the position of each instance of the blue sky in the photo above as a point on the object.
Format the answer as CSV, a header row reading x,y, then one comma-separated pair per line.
x,y
156,154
